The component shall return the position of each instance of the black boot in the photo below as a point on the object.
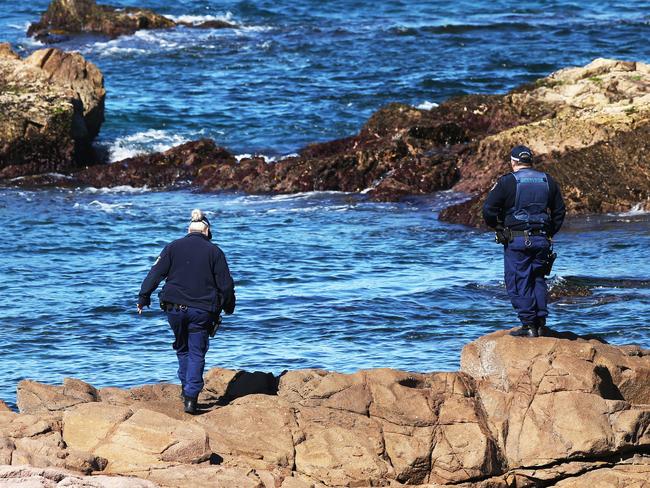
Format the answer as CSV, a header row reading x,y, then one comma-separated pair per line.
x,y
542,330
190,405
526,331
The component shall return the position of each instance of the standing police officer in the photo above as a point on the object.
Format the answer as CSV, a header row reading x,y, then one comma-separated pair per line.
x,y
198,288
526,209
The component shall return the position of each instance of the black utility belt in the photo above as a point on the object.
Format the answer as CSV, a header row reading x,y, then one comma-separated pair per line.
x,y
168,307
526,233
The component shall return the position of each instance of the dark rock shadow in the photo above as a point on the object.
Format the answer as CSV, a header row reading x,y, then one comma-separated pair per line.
x,y
246,383
572,336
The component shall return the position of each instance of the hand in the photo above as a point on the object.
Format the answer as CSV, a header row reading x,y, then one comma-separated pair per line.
x,y
140,307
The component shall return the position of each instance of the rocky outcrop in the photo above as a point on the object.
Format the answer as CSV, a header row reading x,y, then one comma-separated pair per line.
x,y
180,165
594,142
521,412
52,106
67,17
588,127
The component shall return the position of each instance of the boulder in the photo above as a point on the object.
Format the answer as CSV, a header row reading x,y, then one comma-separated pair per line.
x,y
4,407
260,428
561,410
53,106
592,141
34,397
68,17
554,398
177,166
77,16
151,439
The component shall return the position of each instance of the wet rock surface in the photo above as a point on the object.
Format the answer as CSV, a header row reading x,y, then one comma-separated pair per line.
x,y
521,412
588,127
52,106
68,17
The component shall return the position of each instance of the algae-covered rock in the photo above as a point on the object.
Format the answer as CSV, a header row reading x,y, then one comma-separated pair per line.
x,y
51,108
68,17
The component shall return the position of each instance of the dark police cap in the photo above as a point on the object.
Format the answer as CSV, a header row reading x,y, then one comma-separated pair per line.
x,y
521,154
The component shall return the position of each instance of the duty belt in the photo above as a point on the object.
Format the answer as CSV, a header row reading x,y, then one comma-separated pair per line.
x,y
527,233
168,307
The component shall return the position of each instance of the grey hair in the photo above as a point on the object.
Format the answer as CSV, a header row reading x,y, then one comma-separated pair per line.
x,y
197,224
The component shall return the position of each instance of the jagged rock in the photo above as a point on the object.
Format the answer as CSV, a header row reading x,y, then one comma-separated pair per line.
x,y
4,407
260,428
177,166
33,397
52,105
618,476
535,393
521,412
67,17
594,140
144,439
77,16
29,477
225,385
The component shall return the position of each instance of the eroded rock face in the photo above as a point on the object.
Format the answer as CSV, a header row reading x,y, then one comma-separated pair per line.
x,y
66,17
52,106
522,412
594,141
179,165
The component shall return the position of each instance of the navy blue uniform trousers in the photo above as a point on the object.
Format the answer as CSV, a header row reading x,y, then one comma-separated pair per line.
x,y
192,339
524,277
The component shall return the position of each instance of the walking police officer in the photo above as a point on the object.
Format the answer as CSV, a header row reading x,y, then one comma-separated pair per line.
x,y
198,287
526,209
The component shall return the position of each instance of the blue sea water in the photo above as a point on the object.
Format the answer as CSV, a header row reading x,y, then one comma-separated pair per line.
x,y
323,280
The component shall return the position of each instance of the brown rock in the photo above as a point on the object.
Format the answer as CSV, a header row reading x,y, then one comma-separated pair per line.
x,y
204,477
4,407
624,476
148,439
72,71
535,393
175,167
87,425
52,105
77,16
33,397
259,428
26,476
6,52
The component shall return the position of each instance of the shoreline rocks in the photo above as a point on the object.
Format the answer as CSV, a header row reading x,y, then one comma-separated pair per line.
x,y
588,126
521,412
52,106
64,18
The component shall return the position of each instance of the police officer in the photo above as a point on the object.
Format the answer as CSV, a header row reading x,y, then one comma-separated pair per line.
x,y
526,209
198,287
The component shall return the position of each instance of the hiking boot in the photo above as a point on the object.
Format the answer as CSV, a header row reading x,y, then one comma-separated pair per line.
x,y
189,405
526,331
542,330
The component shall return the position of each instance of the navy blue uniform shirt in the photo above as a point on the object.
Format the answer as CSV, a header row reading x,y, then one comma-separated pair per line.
x,y
197,276
502,197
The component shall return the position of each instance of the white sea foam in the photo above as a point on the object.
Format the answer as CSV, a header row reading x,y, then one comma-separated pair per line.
x,y
103,207
641,208
152,140
427,105
117,189
199,19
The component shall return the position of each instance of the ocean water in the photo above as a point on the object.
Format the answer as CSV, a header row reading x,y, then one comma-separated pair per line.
x,y
300,72
324,280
